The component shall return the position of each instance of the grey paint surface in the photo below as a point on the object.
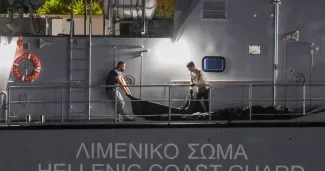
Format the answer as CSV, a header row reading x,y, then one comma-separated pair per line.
x,y
298,149
249,22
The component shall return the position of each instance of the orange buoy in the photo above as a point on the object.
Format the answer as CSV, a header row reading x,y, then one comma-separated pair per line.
x,y
36,69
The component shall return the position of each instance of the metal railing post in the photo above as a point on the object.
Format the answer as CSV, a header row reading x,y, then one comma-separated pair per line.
x,y
62,115
250,98
276,48
169,103
4,104
304,99
90,56
210,97
8,115
141,75
115,108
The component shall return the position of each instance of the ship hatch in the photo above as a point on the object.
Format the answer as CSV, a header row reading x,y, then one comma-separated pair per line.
x,y
298,71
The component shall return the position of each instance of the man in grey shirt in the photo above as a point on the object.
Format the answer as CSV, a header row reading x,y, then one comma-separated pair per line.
x,y
203,90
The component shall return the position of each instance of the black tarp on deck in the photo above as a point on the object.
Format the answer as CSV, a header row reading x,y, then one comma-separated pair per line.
x,y
147,108
186,112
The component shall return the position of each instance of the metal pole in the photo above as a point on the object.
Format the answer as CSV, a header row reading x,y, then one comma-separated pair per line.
x,y
85,17
141,75
28,118
304,99
42,118
72,19
62,115
115,108
276,48
31,25
90,45
8,116
311,74
110,17
5,105
47,26
104,25
210,103
169,104
115,55
71,51
113,86
144,17
105,101
285,77
250,98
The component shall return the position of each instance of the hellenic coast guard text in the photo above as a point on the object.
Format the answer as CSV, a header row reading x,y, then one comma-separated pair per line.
x,y
161,157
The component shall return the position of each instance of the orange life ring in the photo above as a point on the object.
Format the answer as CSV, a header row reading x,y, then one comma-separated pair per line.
x,y
36,70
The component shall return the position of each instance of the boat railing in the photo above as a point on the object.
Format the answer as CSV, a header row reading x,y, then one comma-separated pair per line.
x,y
8,102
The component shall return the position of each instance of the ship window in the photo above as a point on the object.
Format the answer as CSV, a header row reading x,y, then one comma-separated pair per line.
x,y
213,64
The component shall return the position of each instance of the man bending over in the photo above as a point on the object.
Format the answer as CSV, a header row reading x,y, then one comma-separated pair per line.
x,y
198,79
116,77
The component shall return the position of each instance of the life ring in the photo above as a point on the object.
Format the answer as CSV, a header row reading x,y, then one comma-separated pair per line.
x,y
36,69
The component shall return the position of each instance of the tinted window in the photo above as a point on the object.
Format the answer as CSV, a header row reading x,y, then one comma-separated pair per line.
x,y
213,64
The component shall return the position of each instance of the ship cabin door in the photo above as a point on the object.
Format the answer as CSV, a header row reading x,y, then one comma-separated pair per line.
x,y
298,70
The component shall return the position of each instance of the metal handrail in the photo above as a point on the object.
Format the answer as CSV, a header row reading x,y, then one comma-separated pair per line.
x,y
103,101
250,98
101,86
164,85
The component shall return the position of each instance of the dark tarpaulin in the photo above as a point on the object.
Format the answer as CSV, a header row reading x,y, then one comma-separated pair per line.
x,y
151,108
146,108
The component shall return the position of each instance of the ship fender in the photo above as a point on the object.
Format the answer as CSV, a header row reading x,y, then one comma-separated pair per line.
x,y
36,68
